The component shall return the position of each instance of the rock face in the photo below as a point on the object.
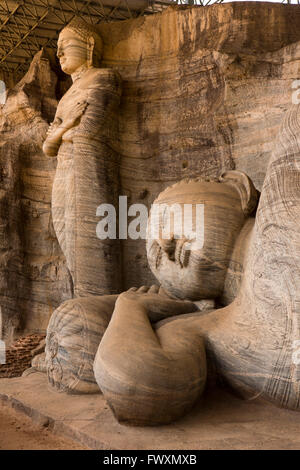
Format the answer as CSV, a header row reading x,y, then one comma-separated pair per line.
x,y
33,276
154,375
204,91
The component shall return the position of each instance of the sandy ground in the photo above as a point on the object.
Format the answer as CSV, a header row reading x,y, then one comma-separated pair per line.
x,y
17,432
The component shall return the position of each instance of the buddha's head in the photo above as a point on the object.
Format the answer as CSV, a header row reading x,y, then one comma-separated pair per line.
x,y
190,252
79,44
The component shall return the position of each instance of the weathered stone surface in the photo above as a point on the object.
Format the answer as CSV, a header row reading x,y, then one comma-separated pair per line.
x,y
196,268
73,336
154,373
204,91
83,136
253,343
33,275
220,421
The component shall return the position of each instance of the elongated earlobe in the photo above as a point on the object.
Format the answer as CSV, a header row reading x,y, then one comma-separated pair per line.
x,y
243,184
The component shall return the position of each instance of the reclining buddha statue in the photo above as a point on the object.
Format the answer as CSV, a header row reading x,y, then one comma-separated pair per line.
x,y
151,364
231,305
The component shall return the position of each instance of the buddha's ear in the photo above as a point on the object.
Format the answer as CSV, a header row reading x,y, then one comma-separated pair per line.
x,y
91,47
243,184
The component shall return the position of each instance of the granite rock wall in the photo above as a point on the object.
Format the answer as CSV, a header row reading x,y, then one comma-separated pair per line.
x,y
204,90
33,275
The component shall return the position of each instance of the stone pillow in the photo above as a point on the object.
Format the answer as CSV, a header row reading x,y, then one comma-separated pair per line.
x,y
73,336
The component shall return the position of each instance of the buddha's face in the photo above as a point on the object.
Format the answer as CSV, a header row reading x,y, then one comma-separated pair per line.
x,y
193,265
72,51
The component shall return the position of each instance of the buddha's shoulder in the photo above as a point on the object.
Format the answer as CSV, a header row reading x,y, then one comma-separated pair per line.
x,y
97,76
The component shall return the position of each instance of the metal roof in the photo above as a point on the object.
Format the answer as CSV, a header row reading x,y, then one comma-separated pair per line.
x,y
28,25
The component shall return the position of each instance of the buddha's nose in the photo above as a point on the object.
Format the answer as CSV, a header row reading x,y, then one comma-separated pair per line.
x,y
168,246
59,52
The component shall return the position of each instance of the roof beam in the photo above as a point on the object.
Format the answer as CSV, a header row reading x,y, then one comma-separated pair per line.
x,y
11,14
30,30
26,22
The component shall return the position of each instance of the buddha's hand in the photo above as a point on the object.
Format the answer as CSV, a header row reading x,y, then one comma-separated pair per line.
x,y
53,126
59,127
156,302
75,114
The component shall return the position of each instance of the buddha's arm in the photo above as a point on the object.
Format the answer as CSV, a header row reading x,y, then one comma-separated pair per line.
x,y
149,378
99,122
58,128
53,140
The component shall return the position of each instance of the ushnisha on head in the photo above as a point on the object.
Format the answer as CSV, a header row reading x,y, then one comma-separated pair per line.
x,y
79,46
189,252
